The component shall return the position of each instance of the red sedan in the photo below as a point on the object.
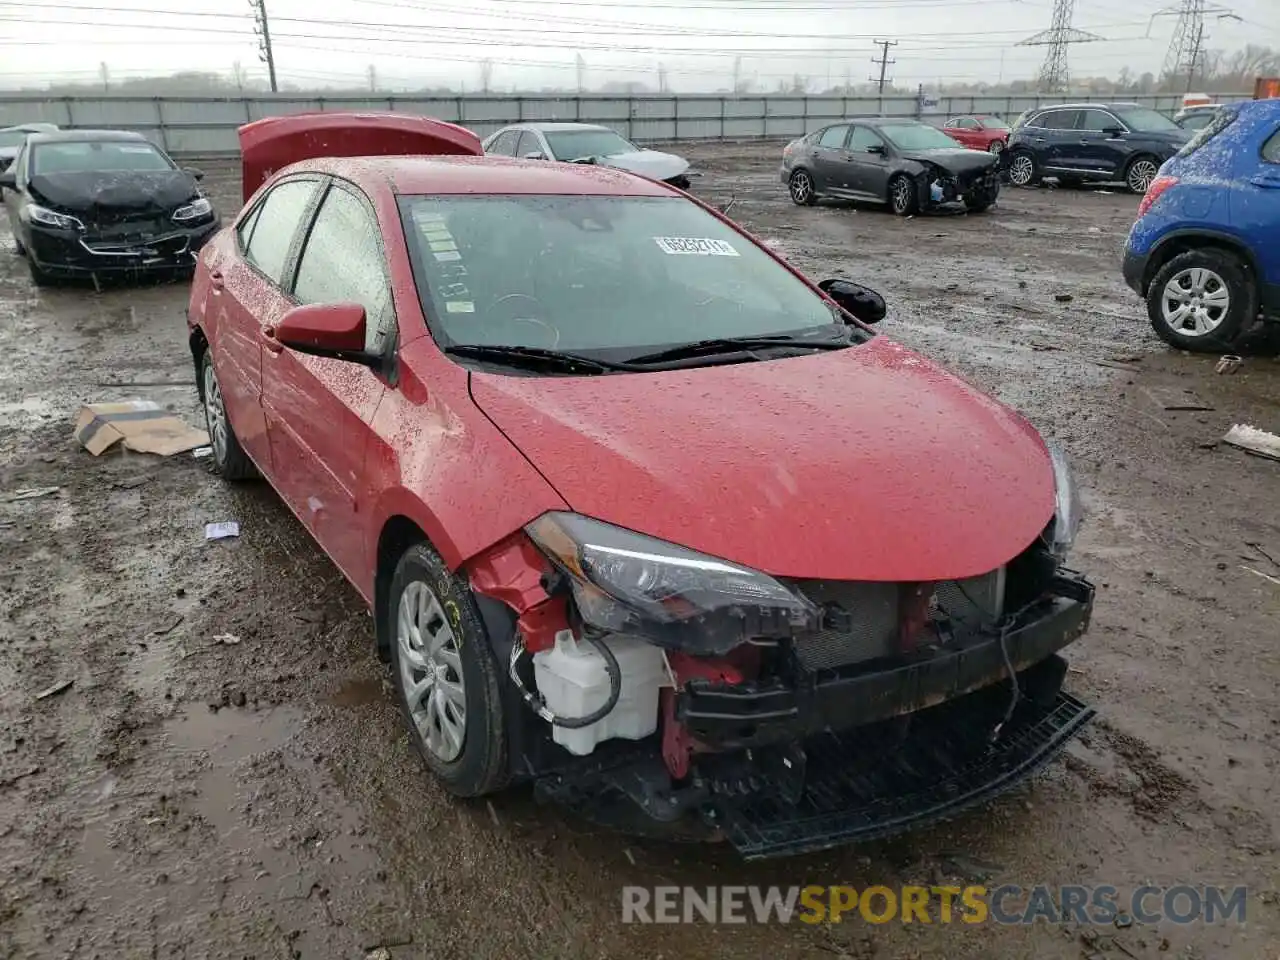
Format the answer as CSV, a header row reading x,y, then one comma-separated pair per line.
x,y
642,515
979,132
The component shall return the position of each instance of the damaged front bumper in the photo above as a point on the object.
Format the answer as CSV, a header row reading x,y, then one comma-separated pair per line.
x,y
821,758
70,253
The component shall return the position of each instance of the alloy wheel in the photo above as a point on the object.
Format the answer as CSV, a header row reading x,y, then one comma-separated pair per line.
x,y
801,187
431,671
901,195
1021,170
1195,302
996,147
1141,173
215,414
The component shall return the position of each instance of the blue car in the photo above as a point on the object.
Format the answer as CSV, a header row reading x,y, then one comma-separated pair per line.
x,y
1205,250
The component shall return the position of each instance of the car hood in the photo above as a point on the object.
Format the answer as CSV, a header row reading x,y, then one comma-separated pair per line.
x,y
108,194
648,163
958,160
869,463
1172,137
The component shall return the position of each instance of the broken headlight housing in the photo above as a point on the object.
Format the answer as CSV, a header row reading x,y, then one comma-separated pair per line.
x,y
626,582
197,209
1067,509
47,218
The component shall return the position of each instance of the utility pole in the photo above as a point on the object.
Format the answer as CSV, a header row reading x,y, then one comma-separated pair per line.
x,y
263,29
1054,77
883,60
105,73
737,74
662,78
373,79
581,66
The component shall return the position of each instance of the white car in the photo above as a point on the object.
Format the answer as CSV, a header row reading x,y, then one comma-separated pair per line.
x,y
12,138
586,143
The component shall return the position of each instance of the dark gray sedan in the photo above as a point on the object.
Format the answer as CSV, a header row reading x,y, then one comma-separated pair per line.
x,y
907,164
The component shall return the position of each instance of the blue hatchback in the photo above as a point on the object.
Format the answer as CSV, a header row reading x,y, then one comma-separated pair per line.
x,y
1205,250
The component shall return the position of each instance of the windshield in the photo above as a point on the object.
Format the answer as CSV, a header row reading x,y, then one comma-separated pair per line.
x,y
1144,119
576,144
97,156
12,138
620,275
917,136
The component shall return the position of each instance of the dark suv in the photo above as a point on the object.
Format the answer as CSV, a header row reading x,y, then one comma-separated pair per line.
x,y
1075,142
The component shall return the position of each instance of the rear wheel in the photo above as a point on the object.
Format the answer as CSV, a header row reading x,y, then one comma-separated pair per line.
x,y
902,196
446,675
229,458
1202,300
996,147
802,189
1141,171
1023,171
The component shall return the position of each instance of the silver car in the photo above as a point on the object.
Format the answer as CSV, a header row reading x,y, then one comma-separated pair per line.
x,y
586,143
12,138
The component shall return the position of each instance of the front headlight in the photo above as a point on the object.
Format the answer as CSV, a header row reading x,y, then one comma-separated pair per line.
x,y
48,218
196,210
626,582
1067,508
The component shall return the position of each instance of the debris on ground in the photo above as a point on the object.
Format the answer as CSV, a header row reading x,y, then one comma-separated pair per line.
x,y
1175,398
201,452
1253,440
1264,576
142,426
1063,297
31,494
227,639
1228,364
62,686
130,483
221,530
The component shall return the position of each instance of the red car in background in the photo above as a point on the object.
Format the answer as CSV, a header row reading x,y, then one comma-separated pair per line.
x,y
643,516
979,132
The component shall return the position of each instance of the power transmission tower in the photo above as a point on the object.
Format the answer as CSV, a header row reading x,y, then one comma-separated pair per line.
x,y
883,60
486,75
1187,46
263,29
1054,77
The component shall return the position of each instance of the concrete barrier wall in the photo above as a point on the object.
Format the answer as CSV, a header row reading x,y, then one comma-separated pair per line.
x,y
206,126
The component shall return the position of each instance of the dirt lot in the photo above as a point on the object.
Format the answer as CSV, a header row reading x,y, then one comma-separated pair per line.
x,y
189,797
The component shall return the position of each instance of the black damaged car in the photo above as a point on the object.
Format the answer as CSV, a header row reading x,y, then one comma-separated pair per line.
x,y
100,202
907,164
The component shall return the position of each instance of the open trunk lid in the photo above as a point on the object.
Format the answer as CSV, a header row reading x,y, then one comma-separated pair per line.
x,y
271,143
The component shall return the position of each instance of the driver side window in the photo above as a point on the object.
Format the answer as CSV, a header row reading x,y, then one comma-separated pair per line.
x,y
863,138
528,144
504,144
343,262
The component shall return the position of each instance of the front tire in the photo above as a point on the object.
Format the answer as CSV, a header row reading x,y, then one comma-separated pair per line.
x,y
446,676
1023,169
229,459
1139,174
1202,300
903,198
804,193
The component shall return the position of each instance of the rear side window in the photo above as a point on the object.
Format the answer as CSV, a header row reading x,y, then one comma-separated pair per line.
x,y
833,136
1058,120
343,262
1271,149
1220,122
863,138
276,225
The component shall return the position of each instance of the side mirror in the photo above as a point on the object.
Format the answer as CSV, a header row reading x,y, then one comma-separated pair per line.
x,y
195,174
324,329
1113,131
534,155
876,148
863,302
9,179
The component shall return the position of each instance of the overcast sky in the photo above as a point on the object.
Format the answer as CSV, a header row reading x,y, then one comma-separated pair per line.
x,y
537,42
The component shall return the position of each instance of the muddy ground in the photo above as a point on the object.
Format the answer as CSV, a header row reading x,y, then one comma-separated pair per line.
x,y
191,797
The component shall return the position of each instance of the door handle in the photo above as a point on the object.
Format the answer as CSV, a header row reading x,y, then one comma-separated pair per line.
x,y
269,341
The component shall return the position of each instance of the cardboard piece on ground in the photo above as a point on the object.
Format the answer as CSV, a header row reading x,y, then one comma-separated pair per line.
x,y
142,426
1255,441
1175,398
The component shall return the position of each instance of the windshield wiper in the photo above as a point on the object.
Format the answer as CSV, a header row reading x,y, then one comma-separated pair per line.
x,y
720,345
535,357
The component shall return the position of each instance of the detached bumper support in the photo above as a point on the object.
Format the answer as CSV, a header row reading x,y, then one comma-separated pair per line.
x,y
727,716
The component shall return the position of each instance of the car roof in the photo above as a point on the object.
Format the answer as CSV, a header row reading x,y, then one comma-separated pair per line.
x,y
80,136
1096,104
486,176
553,127
30,127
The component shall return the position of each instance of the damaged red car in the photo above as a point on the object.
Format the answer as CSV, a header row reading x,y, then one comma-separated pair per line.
x,y
643,516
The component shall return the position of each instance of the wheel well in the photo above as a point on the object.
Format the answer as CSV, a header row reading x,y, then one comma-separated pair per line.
x,y
1140,156
199,344
1178,245
398,534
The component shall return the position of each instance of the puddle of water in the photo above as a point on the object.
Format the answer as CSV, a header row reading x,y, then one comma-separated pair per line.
x,y
358,693
231,734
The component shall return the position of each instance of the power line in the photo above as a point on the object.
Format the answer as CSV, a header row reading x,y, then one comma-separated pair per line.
x,y
883,60
1054,77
